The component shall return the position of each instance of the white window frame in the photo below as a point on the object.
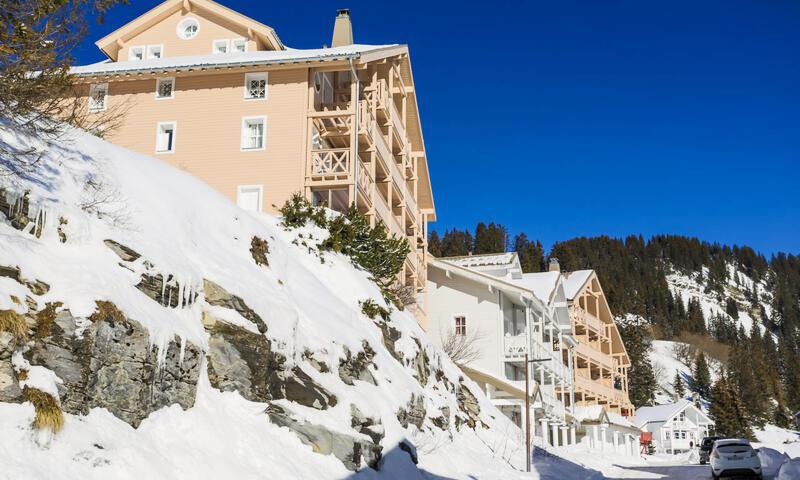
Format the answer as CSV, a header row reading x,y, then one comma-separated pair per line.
x,y
132,58
221,40
150,48
174,136
455,324
180,30
158,87
260,188
245,124
92,89
240,39
256,75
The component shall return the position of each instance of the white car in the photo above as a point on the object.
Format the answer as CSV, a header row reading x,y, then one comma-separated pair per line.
x,y
734,457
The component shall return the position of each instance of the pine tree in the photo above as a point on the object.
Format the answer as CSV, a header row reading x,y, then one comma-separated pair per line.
x,y
492,238
732,309
531,255
702,379
456,243
434,244
677,385
641,380
728,413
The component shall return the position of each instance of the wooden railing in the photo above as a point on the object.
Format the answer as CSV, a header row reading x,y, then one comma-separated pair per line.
x,y
330,162
365,181
598,388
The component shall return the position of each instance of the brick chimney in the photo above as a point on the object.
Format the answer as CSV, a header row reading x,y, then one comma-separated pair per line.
x,y
554,265
342,29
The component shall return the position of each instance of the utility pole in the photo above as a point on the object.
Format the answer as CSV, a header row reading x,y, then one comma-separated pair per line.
x,y
528,409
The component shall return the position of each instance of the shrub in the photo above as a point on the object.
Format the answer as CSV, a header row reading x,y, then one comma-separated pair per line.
x,y
297,211
371,309
14,323
45,319
48,411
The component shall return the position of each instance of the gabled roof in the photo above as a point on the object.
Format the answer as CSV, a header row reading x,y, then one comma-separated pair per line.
x,y
110,44
543,284
236,59
485,260
598,414
664,413
574,282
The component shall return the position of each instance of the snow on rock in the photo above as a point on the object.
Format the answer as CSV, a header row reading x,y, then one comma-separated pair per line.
x,y
177,352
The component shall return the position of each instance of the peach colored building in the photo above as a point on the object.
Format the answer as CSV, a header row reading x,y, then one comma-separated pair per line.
x,y
217,94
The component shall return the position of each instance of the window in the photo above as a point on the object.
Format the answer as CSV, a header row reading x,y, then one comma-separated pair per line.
x,y
165,137
154,51
135,54
253,130
97,97
239,45
461,325
165,88
219,46
667,435
682,416
188,29
333,198
255,86
249,197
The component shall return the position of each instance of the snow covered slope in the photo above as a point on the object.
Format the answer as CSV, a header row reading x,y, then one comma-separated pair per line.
x,y
186,338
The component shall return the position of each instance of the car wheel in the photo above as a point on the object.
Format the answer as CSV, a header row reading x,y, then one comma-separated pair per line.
x,y
714,477
702,462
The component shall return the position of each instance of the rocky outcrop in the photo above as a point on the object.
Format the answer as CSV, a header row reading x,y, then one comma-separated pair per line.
x,y
111,364
9,388
443,420
468,405
413,413
37,287
421,364
218,296
243,361
126,254
355,367
347,448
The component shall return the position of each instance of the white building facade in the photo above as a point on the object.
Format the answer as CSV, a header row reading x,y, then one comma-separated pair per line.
x,y
676,427
479,299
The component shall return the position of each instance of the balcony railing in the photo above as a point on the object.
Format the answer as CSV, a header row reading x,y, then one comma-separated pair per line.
x,y
365,181
515,347
330,162
598,388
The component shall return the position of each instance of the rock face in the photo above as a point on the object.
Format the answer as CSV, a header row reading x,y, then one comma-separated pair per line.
x,y
112,365
468,405
218,296
413,413
243,361
354,367
9,388
349,449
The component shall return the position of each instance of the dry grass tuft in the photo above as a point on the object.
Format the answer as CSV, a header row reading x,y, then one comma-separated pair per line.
x,y
14,323
22,375
105,310
259,248
45,319
48,411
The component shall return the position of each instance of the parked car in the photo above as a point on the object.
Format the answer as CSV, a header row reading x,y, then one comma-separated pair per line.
x,y
705,448
734,457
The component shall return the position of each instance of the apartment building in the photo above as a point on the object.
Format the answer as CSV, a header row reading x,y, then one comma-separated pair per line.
x,y
218,94
483,300
600,362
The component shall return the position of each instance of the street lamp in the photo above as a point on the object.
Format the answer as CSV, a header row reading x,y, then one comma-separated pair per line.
x,y
528,409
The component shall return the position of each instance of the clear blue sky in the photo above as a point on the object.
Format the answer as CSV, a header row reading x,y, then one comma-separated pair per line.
x,y
565,118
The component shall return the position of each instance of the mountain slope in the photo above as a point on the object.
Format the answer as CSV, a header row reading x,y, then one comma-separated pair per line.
x,y
185,338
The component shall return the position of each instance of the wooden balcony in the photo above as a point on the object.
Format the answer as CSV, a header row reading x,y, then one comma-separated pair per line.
x,y
329,165
598,389
597,357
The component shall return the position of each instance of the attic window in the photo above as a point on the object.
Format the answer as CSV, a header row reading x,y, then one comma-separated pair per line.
x,y
188,28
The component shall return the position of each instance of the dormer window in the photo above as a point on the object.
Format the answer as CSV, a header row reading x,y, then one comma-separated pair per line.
x,y
188,29
136,54
255,86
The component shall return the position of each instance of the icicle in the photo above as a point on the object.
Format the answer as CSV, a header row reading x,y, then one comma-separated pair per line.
x,y
183,349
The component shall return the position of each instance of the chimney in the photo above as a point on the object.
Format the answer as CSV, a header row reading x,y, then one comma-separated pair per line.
x,y
554,265
342,29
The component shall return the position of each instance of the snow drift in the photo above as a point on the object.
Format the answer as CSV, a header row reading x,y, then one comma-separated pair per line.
x,y
186,338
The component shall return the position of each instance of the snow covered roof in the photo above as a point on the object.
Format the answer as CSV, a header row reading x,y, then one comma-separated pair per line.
x,y
663,413
492,259
229,59
542,284
574,281
597,414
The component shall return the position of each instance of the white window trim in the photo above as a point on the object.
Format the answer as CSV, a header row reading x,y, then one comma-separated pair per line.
x,y
181,28
158,81
135,47
242,148
234,40
105,99
260,189
174,136
160,48
247,77
220,40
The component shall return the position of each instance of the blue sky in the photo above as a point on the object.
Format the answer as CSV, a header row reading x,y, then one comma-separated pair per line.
x,y
573,118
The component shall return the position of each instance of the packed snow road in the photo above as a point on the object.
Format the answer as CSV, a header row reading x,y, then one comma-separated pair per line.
x,y
676,472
